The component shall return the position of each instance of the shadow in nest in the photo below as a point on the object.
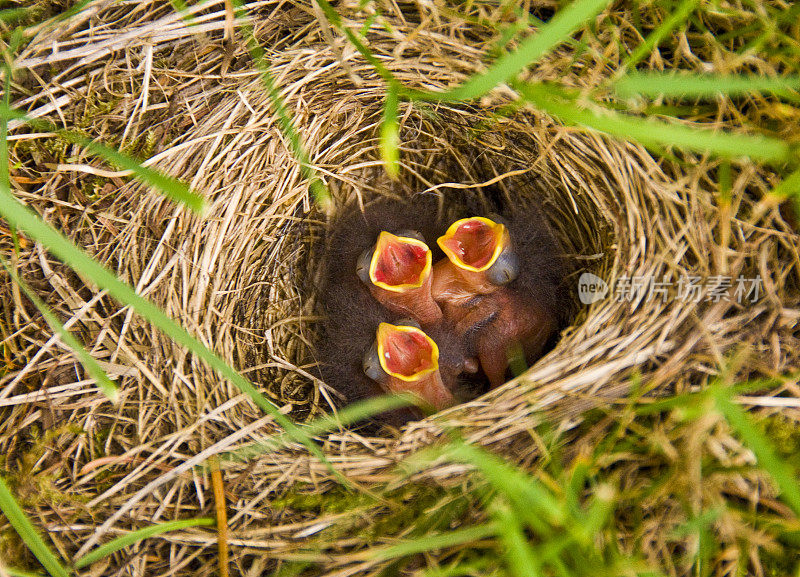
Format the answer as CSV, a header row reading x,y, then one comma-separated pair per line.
x,y
469,343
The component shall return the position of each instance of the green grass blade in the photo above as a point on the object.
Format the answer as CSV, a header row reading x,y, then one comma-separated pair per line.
x,y
183,11
5,176
789,186
655,84
653,133
360,410
70,12
171,187
390,135
106,385
534,500
18,573
654,39
139,535
318,189
698,523
482,567
551,550
540,508
556,31
350,414
598,512
28,532
25,219
519,555
782,473
687,401
437,541
336,20
574,487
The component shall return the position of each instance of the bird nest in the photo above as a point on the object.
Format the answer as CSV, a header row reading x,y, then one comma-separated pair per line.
x,y
241,276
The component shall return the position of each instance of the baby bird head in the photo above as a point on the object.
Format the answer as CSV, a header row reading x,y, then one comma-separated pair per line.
x,y
405,359
395,263
397,271
480,248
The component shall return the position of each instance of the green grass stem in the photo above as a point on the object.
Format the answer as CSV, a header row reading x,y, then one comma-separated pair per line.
x,y
30,536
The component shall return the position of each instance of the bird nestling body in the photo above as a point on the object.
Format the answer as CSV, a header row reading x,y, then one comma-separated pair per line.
x,y
505,330
503,322
479,259
397,271
351,314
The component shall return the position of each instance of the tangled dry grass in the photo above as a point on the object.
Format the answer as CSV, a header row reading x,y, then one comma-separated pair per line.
x,y
241,276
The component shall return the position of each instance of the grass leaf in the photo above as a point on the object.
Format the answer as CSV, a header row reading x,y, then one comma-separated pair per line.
x,y
519,555
782,473
28,533
348,415
139,535
556,31
18,573
654,38
655,84
436,541
318,189
698,523
482,567
106,385
390,134
788,187
655,133
171,187
336,20
540,509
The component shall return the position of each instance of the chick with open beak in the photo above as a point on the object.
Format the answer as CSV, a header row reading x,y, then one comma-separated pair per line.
x,y
397,271
405,359
480,259
501,325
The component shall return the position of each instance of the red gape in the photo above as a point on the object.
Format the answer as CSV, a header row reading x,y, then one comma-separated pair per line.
x,y
407,353
472,245
400,263
473,242
410,358
400,275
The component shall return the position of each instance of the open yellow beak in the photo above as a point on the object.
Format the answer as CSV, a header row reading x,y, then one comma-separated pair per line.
x,y
474,243
399,263
405,352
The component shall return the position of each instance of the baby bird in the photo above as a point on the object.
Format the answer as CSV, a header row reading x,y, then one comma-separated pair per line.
x,y
506,330
397,271
495,300
505,306
480,259
404,359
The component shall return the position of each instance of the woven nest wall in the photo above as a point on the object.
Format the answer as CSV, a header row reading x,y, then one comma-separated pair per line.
x,y
241,277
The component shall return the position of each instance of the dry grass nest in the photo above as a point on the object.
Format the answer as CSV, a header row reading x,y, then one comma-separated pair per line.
x,y
241,277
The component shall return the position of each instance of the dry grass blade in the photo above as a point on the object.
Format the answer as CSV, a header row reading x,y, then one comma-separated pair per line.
x,y
222,517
